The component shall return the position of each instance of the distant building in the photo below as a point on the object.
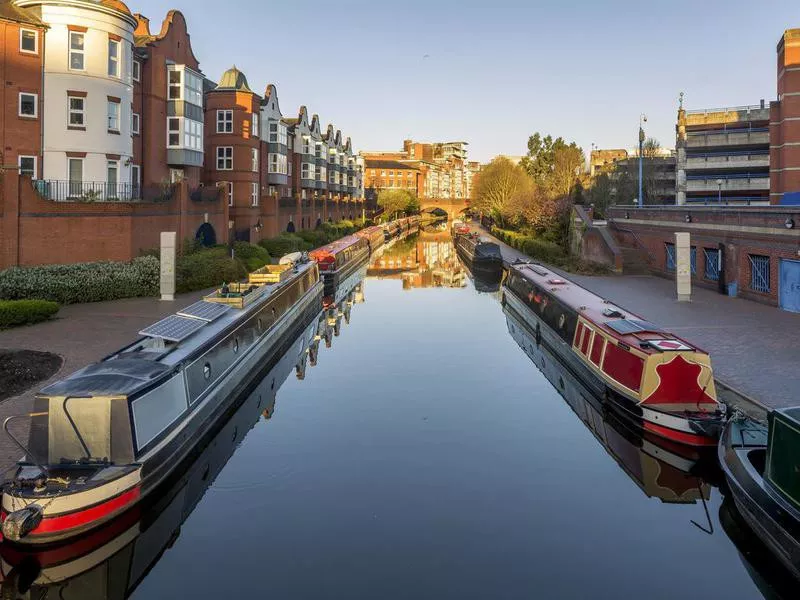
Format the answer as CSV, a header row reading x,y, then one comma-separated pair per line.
x,y
603,161
723,155
622,168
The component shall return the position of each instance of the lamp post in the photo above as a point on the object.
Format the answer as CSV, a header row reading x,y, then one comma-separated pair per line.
x,y
642,120
719,191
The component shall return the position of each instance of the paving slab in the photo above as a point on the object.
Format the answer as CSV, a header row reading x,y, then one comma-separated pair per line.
x,y
755,348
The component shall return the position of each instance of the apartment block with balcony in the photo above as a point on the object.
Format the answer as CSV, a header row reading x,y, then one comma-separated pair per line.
x,y
723,155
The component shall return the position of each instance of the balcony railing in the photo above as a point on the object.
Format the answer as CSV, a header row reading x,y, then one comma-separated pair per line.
x,y
101,191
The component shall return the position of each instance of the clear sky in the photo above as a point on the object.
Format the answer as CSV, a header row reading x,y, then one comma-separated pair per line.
x,y
493,72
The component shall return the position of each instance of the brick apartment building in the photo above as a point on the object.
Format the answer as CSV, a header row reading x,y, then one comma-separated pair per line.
x,y
112,134
738,195
431,170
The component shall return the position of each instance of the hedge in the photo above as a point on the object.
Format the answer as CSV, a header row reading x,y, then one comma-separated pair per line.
x,y
253,256
285,243
548,252
25,312
206,269
82,282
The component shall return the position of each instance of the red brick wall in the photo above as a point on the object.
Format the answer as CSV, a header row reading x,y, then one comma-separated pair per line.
x,y
19,72
785,132
38,231
775,241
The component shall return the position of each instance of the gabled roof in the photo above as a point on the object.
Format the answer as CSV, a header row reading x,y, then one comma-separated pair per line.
x,y
143,37
270,96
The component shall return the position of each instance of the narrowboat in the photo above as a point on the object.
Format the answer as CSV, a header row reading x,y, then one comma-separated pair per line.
x,y
481,256
106,436
374,236
391,230
761,463
110,562
671,472
342,264
651,377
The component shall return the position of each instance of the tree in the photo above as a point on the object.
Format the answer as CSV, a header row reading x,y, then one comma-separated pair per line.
x,y
498,189
554,165
395,201
651,148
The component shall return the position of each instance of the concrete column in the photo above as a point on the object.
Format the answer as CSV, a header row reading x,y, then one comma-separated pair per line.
x,y
168,250
683,266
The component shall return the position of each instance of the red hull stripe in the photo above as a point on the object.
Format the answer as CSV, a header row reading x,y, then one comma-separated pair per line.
x,y
83,517
680,436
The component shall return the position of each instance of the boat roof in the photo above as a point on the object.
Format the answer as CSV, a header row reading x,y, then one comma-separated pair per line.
x,y
335,247
112,377
614,320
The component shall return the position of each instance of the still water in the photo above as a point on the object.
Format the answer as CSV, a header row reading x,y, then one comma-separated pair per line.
x,y
426,455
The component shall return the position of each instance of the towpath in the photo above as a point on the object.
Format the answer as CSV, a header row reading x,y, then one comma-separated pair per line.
x,y
755,349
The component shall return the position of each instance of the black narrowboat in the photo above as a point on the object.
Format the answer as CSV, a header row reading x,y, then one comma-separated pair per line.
x,y
482,258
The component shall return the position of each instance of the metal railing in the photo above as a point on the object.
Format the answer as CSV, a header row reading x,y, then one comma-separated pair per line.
x,y
102,191
726,109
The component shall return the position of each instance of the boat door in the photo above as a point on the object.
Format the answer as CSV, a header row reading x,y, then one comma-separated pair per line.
x,y
789,287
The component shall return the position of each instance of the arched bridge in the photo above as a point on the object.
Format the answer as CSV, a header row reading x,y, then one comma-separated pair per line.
x,y
454,207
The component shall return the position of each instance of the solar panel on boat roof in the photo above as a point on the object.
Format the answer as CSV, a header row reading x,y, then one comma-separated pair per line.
x,y
207,311
626,326
537,269
173,328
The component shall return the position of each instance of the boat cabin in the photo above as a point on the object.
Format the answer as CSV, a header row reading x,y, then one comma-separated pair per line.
x,y
336,255
782,470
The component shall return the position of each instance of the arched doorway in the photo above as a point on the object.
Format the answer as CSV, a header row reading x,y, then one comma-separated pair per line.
x,y
290,227
206,235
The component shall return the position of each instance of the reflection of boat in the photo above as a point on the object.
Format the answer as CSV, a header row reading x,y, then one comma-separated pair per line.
x,y
111,561
339,262
670,472
483,258
771,578
116,429
652,377
762,466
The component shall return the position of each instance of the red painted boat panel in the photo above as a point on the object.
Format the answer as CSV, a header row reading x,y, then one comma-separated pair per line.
x,y
597,349
624,367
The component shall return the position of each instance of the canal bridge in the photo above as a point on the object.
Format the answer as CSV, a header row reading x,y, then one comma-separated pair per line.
x,y
454,207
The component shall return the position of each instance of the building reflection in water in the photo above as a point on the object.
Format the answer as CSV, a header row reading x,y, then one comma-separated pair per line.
x,y
110,562
427,259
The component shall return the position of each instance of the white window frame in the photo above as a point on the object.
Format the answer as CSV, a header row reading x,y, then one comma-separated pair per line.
x,y
253,194
254,160
224,121
71,111
192,134
115,164
137,180
136,70
35,41
225,158
117,70
254,124
178,85
35,114
178,132
135,121
35,164
230,193
81,52
117,116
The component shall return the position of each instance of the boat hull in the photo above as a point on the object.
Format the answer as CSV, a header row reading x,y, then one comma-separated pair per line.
x,y
68,515
770,518
688,430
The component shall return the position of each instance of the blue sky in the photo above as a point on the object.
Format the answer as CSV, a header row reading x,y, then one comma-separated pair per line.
x,y
495,71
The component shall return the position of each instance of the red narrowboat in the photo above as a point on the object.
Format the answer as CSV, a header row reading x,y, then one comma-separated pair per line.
x,y
662,382
342,264
374,236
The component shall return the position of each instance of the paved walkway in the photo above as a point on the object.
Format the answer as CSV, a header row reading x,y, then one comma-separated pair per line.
x,y
82,333
754,348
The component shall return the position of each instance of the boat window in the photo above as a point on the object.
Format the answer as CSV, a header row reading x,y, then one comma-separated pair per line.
x,y
207,370
236,345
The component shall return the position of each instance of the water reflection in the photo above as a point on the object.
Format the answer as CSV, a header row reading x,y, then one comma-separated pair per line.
x,y
111,562
423,260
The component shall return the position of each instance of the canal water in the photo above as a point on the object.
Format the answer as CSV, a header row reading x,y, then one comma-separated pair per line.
x,y
426,455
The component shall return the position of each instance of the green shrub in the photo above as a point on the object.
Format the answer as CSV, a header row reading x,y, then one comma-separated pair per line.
x,y
315,237
206,269
82,282
253,256
284,244
25,312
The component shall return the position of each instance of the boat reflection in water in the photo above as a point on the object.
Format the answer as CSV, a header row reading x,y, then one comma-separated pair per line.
x,y
671,472
110,562
422,261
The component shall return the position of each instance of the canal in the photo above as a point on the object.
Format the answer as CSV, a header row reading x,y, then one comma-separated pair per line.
x,y
426,455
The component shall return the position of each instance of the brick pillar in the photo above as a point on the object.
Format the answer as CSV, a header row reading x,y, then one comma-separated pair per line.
x,y
9,222
182,193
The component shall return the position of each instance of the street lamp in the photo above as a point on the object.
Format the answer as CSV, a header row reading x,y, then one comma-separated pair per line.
x,y
642,121
719,192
